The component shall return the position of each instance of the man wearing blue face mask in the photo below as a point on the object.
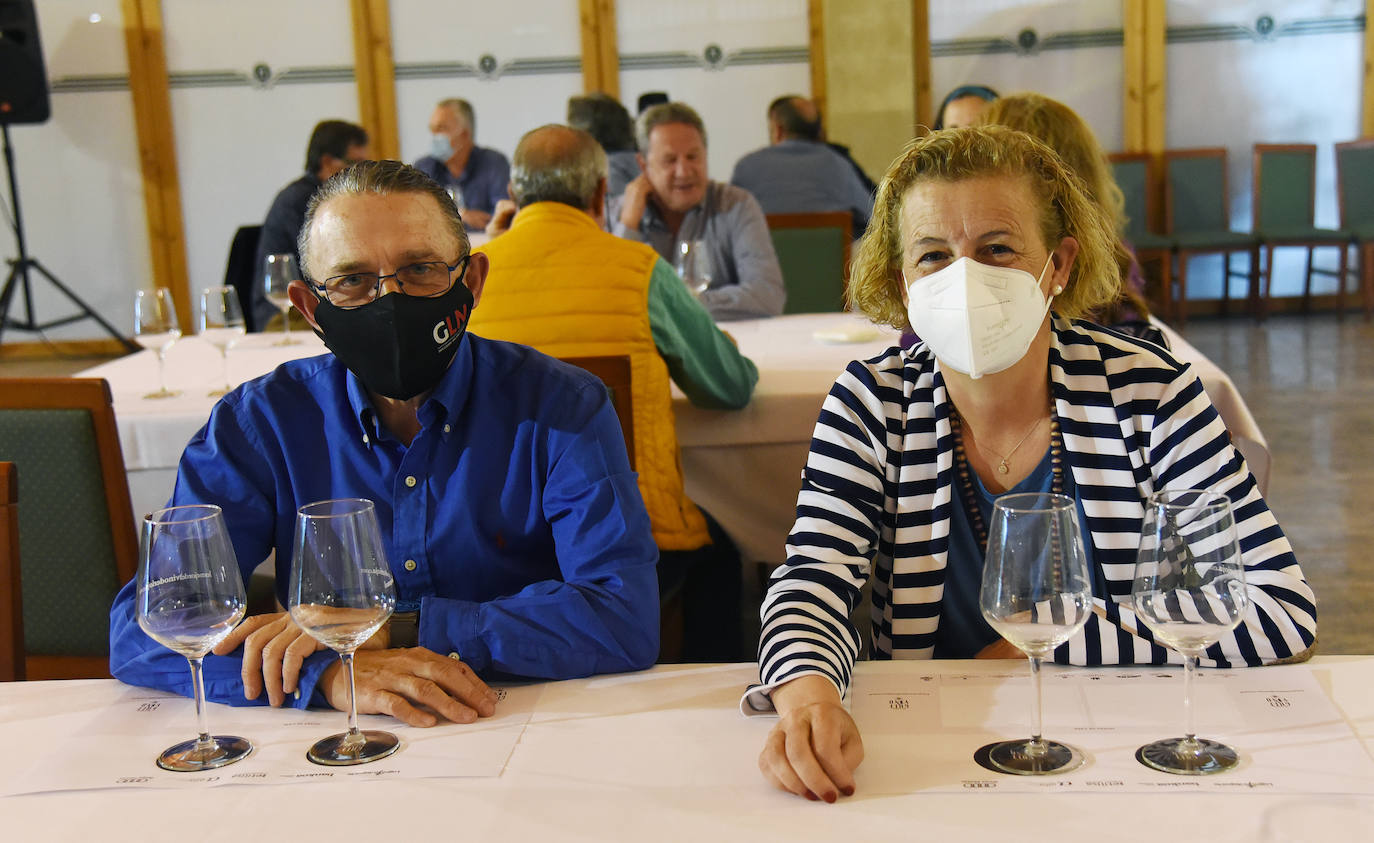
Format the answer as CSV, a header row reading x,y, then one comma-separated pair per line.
x,y
513,524
476,177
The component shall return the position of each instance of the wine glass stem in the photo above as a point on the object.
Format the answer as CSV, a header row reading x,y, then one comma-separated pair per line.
x,y
204,742
224,353
162,368
1035,740
1189,669
353,736
286,325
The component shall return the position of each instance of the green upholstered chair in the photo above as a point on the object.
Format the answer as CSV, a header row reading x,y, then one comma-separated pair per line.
x,y
76,527
813,250
1354,180
11,595
1134,174
1285,204
1197,217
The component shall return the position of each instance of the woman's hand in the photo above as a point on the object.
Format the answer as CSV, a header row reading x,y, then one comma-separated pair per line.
x,y
815,748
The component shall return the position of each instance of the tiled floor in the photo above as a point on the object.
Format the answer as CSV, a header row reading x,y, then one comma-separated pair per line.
x,y
1310,383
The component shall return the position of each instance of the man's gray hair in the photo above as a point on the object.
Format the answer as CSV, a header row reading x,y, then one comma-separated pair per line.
x,y
463,109
668,112
557,163
382,178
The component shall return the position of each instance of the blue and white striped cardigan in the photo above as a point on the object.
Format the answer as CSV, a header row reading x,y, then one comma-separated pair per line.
x,y
879,483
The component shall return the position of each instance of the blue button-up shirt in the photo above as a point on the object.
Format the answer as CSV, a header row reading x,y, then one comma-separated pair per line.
x,y
485,179
512,519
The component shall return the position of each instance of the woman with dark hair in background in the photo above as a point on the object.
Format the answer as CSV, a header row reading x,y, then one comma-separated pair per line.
x,y
604,118
962,106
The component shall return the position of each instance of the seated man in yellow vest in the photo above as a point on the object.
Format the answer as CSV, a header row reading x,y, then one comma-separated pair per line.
x,y
560,283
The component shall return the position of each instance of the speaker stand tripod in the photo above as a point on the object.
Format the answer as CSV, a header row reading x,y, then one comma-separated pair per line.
x,y
18,282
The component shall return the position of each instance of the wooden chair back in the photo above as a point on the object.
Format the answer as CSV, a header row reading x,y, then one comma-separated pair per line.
x,y
1195,190
614,372
1285,185
76,529
813,251
1354,175
11,593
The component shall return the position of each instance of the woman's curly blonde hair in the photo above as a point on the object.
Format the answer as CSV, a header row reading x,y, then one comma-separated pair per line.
x,y
952,155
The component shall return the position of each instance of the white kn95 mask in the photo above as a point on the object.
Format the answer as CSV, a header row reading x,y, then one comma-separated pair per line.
x,y
978,319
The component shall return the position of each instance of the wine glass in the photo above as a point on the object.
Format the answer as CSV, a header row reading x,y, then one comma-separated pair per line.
x,y
1189,589
694,265
190,596
221,324
1037,594
279,272
156,328
341,593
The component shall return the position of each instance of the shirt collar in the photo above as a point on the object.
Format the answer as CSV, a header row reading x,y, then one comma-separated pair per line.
x,y
441,408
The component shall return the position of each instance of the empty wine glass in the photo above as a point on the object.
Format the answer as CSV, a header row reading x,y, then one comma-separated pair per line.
x,y
694,265
341,593
156,328
221,325
278,273
190,596
1036,593
1189,589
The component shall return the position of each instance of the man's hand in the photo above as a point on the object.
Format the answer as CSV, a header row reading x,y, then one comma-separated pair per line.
x,y
474,218
1000,649
273,649
634,200
501,218
815,748
412,685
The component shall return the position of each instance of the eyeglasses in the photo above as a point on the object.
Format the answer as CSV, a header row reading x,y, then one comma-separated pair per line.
x,y
427,279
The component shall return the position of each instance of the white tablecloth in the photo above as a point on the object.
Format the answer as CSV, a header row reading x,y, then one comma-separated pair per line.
x,y
664,756
743,466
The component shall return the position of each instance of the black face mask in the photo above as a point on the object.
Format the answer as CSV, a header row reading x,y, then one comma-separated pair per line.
x,y
399,345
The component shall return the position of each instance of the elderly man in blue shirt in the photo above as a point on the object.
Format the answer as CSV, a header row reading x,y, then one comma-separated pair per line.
x,y
514,527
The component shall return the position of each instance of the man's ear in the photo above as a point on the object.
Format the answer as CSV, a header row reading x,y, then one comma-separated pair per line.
x,y
305,301
476,276
639,156
598,208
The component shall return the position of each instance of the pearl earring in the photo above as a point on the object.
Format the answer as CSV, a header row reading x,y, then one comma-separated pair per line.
x,y
1056,290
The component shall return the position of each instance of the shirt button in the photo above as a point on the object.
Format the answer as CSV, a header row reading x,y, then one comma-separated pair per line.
x,y
410,481
365,439
446,428
454,656
410,565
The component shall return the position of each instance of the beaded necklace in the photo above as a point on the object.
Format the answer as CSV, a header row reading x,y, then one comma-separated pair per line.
x,y
970,497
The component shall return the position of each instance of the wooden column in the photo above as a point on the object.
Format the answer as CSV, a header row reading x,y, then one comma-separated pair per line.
x,y
600,48
1144,56
1367,105
920,65
374,68
143,41
815,29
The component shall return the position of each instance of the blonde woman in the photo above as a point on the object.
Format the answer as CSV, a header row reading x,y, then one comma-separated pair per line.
x,y
913,446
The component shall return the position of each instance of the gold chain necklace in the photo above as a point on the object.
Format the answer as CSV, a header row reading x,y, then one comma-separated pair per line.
x,y
1002,467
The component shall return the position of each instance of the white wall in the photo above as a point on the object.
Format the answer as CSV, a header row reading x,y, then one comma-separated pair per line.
x,y
1088,79
80,187
517,96
732,95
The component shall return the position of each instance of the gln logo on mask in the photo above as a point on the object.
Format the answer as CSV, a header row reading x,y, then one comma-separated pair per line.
x,y
446,329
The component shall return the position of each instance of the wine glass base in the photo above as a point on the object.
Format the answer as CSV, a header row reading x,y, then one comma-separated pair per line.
x,y
186,757
216,393
1181,757
331,751
163,393
1020,758
287,342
